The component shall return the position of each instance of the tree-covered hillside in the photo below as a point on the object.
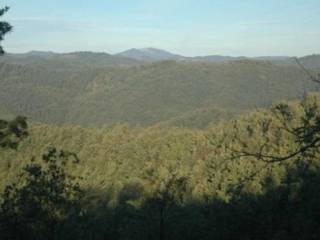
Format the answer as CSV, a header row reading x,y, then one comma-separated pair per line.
x,y
184,183
146,94
311,62
200,118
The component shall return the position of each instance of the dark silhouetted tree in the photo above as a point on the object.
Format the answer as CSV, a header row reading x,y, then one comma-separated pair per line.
x,y
306,132
5,27
12,132
44,196
169,194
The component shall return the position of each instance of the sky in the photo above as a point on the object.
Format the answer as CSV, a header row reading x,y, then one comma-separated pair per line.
x,y
187,27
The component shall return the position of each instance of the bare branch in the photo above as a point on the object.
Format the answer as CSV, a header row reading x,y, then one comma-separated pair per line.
x,y
273,159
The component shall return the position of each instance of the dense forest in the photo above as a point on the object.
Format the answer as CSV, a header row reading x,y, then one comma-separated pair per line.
x,y
181,183
147,94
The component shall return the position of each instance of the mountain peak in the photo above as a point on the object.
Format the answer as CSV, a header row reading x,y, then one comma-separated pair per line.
x,y
40,53
149,54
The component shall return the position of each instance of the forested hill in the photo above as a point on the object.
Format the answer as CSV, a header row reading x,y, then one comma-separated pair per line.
x,y
193,182
311,62
145,94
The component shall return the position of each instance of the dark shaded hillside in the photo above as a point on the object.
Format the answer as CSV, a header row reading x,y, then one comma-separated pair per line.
x,y
145,94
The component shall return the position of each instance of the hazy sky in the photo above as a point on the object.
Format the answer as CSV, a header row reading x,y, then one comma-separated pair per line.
x,y
189,27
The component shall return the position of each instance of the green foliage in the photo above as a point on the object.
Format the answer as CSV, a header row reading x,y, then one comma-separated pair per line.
x,y
304,130
12,132
200,118
179,183
41,200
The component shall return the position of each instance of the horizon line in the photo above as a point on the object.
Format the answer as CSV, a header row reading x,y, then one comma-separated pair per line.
x,y
182,55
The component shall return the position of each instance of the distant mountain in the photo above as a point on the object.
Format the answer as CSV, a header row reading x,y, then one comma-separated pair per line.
x,y
133,57
156,55
214,58
311,61
94,89
40,53
149,54
68,61
273,58
186,93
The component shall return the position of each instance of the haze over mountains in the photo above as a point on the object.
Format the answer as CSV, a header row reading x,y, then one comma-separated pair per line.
x,y
145,87
134,56
150,54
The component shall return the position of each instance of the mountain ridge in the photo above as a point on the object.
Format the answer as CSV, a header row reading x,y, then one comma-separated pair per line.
x,y
146,94
136,56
